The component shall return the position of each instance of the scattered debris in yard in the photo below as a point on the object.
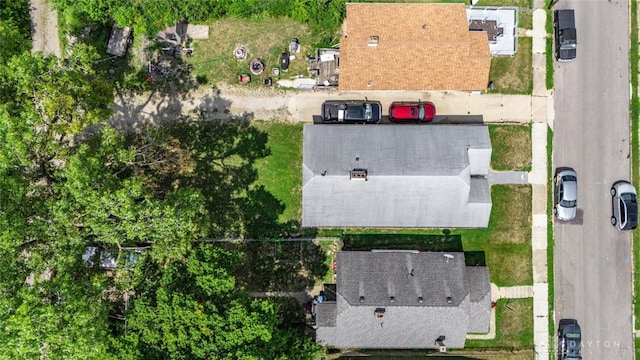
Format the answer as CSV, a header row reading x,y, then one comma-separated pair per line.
x,y
256,67
119,41
284,61
240,52
294,45
244,78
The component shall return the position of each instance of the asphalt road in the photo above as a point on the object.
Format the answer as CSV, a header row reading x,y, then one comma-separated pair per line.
x,y
593,281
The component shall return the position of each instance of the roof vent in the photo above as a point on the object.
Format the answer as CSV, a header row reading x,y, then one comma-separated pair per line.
x,y
358,174
392,299
449,299
361,299
373,40
420,299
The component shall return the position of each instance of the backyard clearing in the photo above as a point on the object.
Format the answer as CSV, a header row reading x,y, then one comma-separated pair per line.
x,y
264,39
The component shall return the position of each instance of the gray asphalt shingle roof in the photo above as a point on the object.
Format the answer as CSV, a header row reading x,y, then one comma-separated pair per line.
x,y
417,176
366,281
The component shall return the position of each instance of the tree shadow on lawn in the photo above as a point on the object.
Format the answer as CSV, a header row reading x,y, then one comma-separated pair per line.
x,y
429,242
281,265
217,157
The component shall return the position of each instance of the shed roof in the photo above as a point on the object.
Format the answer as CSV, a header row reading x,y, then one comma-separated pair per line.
x,y
419,47
118,41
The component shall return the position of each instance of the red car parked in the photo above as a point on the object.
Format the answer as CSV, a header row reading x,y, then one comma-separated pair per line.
x,y
408,111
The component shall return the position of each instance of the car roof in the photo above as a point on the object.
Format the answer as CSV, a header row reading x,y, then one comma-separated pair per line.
x,y
570,190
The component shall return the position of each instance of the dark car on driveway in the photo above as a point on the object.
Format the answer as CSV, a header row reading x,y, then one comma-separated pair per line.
x,y
564,24
411,111
569,340
351,111
624,205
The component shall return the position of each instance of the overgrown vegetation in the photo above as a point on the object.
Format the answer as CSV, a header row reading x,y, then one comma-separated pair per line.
x,y
15,28
149,17
70,181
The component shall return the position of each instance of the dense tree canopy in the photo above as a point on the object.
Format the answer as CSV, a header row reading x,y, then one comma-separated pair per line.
x,y
50,103
191,309
69,181
147,17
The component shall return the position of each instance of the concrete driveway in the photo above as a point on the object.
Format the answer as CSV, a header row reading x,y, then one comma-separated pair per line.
x,y
301,106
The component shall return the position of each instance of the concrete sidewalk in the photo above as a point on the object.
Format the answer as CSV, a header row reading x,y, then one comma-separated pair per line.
x,y
542,110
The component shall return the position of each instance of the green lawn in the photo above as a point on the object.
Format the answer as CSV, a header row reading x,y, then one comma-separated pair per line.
x,y
511,147
280,172
514,326
513,74
505,246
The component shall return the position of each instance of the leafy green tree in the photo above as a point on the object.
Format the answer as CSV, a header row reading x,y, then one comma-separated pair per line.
x,y
51,305
16,12
104,197
51,103
192,310
12,41
61,317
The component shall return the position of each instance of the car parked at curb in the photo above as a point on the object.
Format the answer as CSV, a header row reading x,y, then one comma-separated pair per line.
x,y
564,24
411,111
569,340
566,194
624,205
351,111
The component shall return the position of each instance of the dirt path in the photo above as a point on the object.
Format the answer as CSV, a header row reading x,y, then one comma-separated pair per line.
x,y
44,28
134,111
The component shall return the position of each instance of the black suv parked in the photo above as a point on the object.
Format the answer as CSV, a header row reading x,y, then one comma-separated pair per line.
x,y
564,24
351,111
569,340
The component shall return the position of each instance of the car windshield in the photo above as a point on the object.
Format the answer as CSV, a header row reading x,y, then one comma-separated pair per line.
x,y
367,111
632,210
421,112
628,198
568,203
567,46
573,336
